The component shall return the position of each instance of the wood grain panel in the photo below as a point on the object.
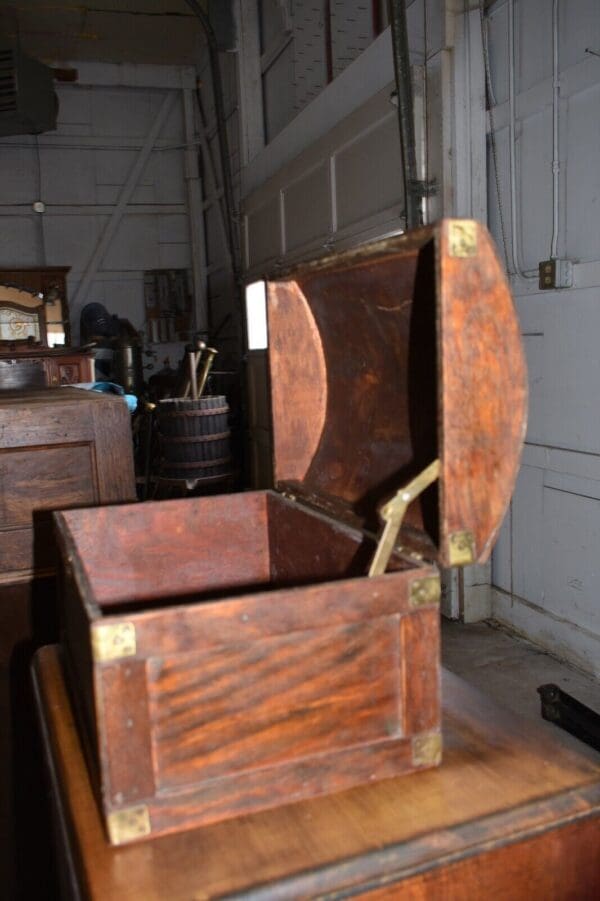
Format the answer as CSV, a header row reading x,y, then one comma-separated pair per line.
x,y
122,706
252,705
190,628
42,478
504,782
484,392
16,552
298,383
560,865
420,670
307,547
169,548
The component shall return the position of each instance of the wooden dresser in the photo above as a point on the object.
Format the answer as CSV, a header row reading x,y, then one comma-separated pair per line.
x,y
59,447
44,366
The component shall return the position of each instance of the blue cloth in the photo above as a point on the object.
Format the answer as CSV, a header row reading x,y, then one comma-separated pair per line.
x,y
112,388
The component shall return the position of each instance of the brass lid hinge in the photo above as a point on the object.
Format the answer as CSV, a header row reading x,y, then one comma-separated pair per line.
x,y
393,513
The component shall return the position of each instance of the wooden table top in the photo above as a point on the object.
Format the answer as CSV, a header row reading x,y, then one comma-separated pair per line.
x,y
503,780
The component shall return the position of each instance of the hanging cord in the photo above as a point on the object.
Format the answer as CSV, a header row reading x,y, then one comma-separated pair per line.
x,y
40,216
489,93
217,85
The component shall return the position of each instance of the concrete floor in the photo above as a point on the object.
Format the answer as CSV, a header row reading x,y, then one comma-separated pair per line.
x,y
509,669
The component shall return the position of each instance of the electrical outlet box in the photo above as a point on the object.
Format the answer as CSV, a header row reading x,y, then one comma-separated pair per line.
x,y
556,274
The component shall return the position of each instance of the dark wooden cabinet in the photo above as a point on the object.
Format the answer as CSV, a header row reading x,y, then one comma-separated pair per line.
x,y
58,448
31,368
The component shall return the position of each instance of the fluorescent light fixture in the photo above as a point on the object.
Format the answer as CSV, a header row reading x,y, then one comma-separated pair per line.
x,y
256,316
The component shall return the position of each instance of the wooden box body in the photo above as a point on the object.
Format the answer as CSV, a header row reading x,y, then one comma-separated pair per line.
x,y
227,654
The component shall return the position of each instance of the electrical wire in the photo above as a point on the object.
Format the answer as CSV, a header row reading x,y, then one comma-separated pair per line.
x,y
39,197
217,87
493,144
555,134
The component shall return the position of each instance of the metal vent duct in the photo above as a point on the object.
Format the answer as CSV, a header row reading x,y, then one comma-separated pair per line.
x,y
28,103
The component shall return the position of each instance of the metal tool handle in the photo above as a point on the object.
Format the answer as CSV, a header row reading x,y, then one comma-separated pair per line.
x,y
211,353
393,513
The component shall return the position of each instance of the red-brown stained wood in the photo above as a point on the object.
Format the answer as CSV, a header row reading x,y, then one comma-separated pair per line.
x,y
512,812
419,356
270,668
484,393
256,704
419,642
123,705
283,691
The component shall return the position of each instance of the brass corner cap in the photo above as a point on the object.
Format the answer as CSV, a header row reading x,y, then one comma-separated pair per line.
x,y
425,591
128,824
427,749
461,548
113,641
462,238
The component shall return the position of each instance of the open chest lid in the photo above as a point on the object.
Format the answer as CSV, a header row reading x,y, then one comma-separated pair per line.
x,y
388,357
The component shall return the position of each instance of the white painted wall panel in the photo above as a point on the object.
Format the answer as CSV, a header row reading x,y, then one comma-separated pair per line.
x,y
535,355
19,184
263,229
534,195
548,551
69,239
579,29
124,113
20,241
368,173
533,20
571,572
526,576
68,176
497,35
502,557
135,245
308,223
582,175
75,106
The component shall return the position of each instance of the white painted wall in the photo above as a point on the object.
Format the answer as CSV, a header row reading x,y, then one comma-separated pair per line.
x,y
546,569
79,170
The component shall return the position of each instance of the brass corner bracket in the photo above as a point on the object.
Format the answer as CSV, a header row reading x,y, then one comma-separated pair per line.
x,y
427,749
128,824
461,548
462,238
424,592
113,641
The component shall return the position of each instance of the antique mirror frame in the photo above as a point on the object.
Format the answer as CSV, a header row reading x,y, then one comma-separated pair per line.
x,y
30,290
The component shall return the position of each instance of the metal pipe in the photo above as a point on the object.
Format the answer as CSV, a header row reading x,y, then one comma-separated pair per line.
x,y
215,70
555,135
412,188
514,230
